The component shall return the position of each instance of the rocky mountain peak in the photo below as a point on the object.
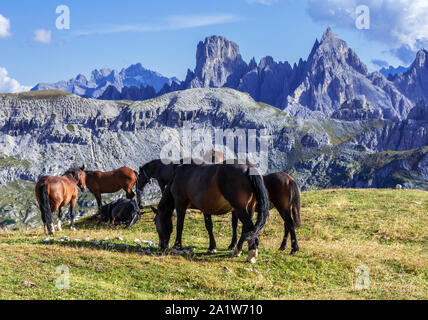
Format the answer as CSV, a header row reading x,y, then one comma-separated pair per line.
x,y
421,59
253,64
334,52
329,35
97,75
219,63
414,82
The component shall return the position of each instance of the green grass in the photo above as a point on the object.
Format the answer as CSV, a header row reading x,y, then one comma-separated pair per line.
x,y
385,230
41,94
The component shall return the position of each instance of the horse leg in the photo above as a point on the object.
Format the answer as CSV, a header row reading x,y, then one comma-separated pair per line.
x,y
54,207
240,242
247,226
289,225
242,238
284,241
60,215
234,231
129,193
209,227
99,200
181,213
72,205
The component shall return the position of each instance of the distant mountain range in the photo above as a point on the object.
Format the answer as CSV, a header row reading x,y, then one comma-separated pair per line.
x,y
101,80
331,76
391,71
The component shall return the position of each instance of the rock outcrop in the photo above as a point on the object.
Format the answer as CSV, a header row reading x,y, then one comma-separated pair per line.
x,y
356,109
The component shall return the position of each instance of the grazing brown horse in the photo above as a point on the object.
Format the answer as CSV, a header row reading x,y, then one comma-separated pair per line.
x,y
284,195
54,193
99,182
215,189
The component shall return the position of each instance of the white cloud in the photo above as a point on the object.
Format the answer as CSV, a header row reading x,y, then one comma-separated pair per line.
x,y
175,22
9,85
42,36
4,27
402,24
194,21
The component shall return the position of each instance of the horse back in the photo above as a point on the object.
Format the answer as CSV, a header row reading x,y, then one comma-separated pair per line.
x,y
110,181
212,188
60,190
278,186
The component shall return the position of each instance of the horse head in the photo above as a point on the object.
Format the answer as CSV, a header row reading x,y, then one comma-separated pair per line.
x,y
143,178
162,228
78,175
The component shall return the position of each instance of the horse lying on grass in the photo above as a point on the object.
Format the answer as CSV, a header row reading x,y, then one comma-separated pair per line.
x,y
122,211
215,189
284,195
54,193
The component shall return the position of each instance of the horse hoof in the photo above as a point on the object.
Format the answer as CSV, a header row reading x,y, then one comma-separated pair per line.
x,y
73,229
237,252
281,248
212,251
293,252
231,247
252,260
252,255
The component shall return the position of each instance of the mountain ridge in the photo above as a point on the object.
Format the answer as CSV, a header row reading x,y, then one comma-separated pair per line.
x,y
102,79
331,75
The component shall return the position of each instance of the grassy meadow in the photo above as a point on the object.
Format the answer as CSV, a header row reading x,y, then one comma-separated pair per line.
x,y
384,231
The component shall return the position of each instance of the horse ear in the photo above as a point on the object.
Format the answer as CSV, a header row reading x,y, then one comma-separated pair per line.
x,y
154,210
82,168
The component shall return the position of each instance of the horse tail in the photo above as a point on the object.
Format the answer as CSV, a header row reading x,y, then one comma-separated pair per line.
x,y
295,202
137,192
262,198
45,207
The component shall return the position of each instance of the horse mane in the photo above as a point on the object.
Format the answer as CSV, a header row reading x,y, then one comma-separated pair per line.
x,y
73,172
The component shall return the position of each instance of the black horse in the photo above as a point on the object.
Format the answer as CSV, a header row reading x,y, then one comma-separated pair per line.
x,y
215,189
122,211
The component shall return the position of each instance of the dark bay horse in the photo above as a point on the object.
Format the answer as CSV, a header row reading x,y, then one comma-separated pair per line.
x,y
54,193
164,173
99,182
215,189
284,195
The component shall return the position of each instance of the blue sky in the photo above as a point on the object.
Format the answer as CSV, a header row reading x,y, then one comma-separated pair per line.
x,y
163,34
